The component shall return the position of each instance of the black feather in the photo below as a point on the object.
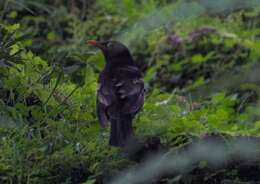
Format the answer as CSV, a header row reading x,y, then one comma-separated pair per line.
x,y
120,93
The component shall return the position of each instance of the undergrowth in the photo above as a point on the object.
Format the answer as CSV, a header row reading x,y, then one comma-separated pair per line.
x,y
201,77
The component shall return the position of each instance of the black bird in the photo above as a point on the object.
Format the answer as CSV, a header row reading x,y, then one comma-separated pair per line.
x,y
120,91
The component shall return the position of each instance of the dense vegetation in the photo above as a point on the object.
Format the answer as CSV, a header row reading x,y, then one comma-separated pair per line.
x,y
201,66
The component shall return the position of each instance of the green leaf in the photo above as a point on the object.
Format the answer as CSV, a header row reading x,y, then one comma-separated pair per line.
x,y
21,38
51,36
197,59
14,49
218,98
98,60
92,181
71,69
12,28
12,14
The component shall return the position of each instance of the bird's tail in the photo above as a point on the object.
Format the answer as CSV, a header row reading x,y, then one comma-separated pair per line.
x,y
121,130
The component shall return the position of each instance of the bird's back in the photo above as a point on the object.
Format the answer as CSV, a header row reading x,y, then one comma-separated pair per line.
x,y
120,95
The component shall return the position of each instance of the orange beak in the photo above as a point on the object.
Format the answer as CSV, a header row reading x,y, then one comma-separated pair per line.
x,y
96,44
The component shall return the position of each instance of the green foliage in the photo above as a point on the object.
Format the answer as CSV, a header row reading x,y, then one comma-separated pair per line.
x,y
201,76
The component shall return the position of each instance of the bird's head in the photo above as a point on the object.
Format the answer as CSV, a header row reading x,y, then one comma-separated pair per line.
x,y
113,51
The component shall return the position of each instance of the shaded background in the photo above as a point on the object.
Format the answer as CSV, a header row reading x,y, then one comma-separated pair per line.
x,y
200,60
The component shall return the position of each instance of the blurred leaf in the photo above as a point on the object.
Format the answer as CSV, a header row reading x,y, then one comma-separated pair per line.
x,y
198,58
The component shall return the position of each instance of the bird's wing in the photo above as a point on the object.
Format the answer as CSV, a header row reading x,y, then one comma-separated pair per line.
x,y
102,115
123,93
105,97
130,89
